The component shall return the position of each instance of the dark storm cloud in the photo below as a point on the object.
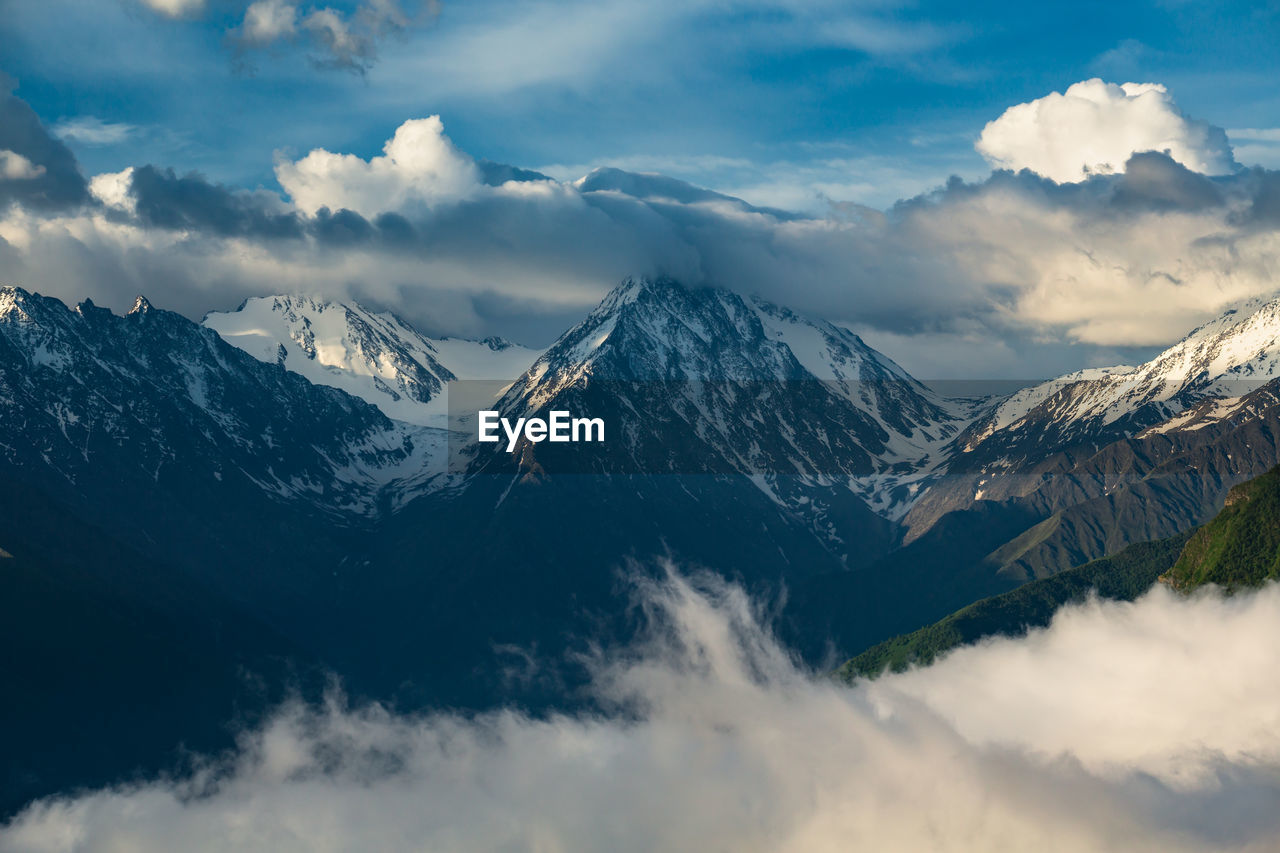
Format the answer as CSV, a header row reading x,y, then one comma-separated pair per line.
x,y
1263,210
497,174
1155,181
1151,182
190,202
36,169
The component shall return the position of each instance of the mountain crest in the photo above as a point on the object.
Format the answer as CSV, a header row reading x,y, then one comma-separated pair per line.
x,y
1225,358
374,355
705,380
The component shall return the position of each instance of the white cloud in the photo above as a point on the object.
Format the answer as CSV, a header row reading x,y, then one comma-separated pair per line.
x,y
15,167
267,21
1139,727
91,130
175,8
112,189
1095,126
1101,684
420,167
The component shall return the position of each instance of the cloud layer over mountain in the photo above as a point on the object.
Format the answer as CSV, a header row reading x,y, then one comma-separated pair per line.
x,y
1146,726
1012,270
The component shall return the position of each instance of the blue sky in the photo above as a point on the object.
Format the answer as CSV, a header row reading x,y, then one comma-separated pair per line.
x,y
777,101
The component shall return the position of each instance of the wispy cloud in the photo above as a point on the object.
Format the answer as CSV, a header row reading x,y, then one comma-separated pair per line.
x,y
175,8
90,130
507,47
1256,146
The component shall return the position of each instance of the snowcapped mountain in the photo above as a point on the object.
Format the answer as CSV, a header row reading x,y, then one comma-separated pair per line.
x,y
1045,445
100,402
372,355
706,381
1225,358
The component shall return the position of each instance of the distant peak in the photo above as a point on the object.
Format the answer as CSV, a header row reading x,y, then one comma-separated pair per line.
x,y
88,308
140,305
496,343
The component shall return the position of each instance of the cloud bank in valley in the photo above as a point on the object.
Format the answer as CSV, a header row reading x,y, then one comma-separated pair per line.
x,y
1008,266
1138,726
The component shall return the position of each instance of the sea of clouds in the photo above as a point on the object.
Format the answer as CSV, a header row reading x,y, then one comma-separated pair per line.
x,y
1144,726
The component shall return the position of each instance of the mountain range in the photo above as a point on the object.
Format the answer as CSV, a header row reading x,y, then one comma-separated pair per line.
x,y
290,478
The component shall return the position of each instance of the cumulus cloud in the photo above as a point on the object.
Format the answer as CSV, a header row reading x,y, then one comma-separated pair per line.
x,y
114,190
1094,127
267,21
1149,726
419,167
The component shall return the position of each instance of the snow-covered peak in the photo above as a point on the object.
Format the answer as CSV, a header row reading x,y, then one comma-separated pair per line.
x,y
372,355
656,328
11,299
1241,345
1226,357
709,373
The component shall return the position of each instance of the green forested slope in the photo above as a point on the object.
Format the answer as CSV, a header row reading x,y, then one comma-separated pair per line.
x,y
1240,547
1124,576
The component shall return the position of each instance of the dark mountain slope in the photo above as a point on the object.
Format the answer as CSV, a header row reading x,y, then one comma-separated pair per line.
x,y
111,663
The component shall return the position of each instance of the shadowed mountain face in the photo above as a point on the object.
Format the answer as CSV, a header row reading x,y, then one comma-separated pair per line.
x,y
115,664
169,474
